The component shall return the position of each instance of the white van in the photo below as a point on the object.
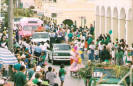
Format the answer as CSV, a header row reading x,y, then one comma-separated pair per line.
x,y
38,37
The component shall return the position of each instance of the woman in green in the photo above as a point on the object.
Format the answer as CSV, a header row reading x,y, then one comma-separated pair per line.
x,y
62,73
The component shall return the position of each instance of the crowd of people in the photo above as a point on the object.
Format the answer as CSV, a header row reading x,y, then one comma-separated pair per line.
x,y
32,67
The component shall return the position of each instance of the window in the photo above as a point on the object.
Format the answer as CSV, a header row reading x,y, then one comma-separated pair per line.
x,y
30,28
40,35
62,47
54,1
54,15
50,1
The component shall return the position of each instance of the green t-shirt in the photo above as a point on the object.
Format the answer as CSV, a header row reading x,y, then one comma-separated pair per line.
x,y
78,35
35,81
62,72
43,57
20,79
70,35
119,55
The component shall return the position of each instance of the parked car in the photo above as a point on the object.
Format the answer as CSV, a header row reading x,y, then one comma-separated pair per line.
x,y
60,52
38,37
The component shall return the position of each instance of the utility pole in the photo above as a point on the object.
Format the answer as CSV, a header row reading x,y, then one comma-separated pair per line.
x,y
0,8
10,25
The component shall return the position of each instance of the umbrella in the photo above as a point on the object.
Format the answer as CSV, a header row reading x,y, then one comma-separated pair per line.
x,y
6,57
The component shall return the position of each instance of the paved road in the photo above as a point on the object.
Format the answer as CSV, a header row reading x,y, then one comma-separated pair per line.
x,y
69,81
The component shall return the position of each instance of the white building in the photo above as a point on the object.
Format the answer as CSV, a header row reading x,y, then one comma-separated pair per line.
x,y
27,3
81,12
115,15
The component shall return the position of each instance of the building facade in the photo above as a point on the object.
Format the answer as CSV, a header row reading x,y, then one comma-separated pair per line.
x,y
39,5
80,12
115,15
27,3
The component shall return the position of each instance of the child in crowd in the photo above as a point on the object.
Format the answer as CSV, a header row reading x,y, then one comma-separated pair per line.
x,y
37,79
62,73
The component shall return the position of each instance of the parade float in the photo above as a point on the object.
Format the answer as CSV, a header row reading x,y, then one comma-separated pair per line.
x,y
97,74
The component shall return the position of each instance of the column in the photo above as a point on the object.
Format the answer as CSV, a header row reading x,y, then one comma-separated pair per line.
x,y
122,29
102,24
108,26
115,29
97,29
129,32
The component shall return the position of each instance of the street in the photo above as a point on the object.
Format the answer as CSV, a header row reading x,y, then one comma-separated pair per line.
x,y
37,37
69,81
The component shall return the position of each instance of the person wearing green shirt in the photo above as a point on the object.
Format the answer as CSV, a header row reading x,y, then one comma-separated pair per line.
x,y
17,66
119,57
36,80
31,71
42,58
70,35
62,73
20,78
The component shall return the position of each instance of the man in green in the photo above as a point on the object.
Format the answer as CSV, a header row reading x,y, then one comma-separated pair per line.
x,y
20,78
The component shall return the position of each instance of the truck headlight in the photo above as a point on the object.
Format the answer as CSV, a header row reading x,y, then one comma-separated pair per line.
x,y
55,54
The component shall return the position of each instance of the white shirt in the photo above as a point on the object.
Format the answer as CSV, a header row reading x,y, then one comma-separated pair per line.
x,y
88,52
51,76
44,47
92,46
101,47
96,52
38,68
82,45
113,54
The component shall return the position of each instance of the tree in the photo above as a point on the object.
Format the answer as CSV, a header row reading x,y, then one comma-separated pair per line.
x,y
23,12
32,7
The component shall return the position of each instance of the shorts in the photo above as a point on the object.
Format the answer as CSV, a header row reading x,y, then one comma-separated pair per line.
x,y
62,78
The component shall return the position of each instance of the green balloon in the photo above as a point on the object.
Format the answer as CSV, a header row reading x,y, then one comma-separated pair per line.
x,y
90,40
110,32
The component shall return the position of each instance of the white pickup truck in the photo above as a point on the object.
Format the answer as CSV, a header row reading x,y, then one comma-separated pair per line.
x,y
60,52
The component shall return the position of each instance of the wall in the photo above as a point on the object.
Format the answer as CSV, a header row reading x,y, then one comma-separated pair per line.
x,y
74,10
117,15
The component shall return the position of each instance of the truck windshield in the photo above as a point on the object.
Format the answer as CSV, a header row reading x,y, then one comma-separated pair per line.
x,y
62,47
30,28
40,35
